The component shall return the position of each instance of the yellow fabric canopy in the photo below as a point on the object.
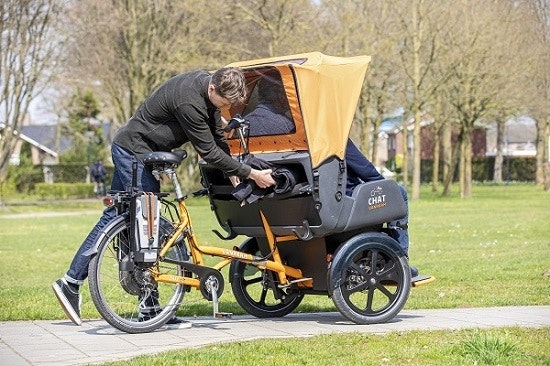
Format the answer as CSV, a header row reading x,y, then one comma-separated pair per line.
x,y
327,90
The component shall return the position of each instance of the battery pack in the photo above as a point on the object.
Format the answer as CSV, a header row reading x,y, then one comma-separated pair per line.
x,y
147,227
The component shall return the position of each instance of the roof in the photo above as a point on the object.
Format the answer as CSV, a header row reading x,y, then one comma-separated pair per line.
x,y
326,90
391,124
44,138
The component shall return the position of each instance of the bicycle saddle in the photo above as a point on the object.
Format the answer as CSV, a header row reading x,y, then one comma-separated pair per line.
x,y
164,157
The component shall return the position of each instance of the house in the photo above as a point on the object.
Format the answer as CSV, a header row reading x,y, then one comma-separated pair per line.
x,y
47,144
520,136
44,148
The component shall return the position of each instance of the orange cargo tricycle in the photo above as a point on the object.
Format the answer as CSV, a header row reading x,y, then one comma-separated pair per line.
x,y
305,236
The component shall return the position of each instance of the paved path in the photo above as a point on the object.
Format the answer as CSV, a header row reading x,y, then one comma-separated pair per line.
x,y
60,343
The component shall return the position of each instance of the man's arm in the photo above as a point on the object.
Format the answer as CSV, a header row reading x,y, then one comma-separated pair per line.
x,y
195,124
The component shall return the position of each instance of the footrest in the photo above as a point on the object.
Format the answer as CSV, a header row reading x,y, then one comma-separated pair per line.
x,y
421,280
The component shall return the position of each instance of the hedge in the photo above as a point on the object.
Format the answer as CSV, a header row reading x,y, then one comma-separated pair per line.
x,y
64,190
513,169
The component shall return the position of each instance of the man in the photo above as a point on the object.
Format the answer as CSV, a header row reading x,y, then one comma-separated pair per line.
x,y
98,173
183,109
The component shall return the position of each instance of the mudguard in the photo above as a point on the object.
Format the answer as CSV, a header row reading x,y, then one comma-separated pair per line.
x,y
165,225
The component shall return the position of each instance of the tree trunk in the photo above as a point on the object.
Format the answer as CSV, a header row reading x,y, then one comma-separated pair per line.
x,y
375,128
499,157
436,149
466,190
546,169
451,159
462,166
447,156
543,132
417,161
405,169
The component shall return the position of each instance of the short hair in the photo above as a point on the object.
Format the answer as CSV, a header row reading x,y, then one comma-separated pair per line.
x,y
229,83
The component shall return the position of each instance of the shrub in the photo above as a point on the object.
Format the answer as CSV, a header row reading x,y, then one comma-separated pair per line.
x,y
64,190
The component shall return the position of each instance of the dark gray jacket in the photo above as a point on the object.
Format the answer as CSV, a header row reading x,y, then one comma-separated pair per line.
x,y
177,112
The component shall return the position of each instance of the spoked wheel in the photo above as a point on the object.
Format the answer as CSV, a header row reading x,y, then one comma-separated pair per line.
x,y
256,290
131,300
370,280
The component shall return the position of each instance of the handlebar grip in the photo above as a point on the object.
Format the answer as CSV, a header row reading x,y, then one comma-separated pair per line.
x,y
234,123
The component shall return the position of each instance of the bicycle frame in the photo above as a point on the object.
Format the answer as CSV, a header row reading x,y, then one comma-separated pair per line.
x,y
185,228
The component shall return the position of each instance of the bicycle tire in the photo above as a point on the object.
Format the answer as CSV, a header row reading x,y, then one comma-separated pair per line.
x,y
370,280
115,293
252,290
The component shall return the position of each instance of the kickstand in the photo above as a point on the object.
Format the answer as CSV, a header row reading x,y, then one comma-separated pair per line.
x,y
213,288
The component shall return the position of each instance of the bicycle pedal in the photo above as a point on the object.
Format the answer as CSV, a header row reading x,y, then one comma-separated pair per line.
x,y
223,315
304,279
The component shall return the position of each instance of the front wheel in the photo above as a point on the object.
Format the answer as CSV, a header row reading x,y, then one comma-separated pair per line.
x,y
131,300
370,279
257,290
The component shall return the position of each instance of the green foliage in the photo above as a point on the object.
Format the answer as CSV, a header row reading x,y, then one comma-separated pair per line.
x,y
23,177
514,169
83,105
64,190
29,180
84,130
69,173
489,349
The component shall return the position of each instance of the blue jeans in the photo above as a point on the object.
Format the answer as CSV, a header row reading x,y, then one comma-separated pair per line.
x,y
122,179
398,233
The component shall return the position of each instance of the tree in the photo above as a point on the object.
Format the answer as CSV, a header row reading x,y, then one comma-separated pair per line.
x,y
420,22
28,51
124,49
537,81
84,129
280,25
483,65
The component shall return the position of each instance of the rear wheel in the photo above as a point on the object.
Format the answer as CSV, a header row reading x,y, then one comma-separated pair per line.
x,y
370,280
257,290
131,300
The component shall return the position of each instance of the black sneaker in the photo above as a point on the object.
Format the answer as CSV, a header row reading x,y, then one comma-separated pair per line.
x,y
69,299
414,272
175,320
144,317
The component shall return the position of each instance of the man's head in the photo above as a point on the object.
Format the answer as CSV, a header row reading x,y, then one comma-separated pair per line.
x,y
227,87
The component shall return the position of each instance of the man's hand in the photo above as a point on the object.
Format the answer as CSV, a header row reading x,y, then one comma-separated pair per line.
x,y
262,178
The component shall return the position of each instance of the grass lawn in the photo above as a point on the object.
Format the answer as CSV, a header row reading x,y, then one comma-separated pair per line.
x,y
488,250
503,346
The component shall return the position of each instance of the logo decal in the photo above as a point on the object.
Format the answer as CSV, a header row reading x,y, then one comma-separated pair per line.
x,y
377,199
